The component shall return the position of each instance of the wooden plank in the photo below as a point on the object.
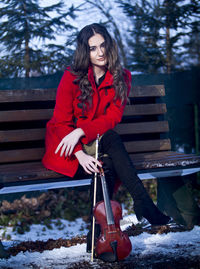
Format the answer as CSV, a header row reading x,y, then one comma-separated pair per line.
x,y
124,128
145,109
26,172
162,155
7,96
149,161
39,134
50,94
45,114
19,172
21,155
148,145
147,90
25,115
142,127
22,135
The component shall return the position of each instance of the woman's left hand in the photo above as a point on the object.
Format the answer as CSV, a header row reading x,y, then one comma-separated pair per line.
x,y
88,162
68,143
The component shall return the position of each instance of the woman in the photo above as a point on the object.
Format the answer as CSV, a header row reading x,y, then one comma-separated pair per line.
x,y
90,100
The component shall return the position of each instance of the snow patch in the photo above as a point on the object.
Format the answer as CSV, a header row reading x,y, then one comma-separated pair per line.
x,y
179,243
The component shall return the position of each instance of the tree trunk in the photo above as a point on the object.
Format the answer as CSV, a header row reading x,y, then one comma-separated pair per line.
x,y
168,51
27,59
120,43
27,49
168,43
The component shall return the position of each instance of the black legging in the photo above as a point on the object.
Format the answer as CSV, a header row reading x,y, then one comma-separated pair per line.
x,y
118,164
112,145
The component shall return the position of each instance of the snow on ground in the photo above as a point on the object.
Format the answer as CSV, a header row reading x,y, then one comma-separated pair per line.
x,y
59,229
179,243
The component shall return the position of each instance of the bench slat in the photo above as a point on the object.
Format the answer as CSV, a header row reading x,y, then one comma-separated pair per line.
x,y
7,156
10,96
161,155
147,90
25,115
45,114
32,154
142,127
22,135
148,145
37,154
21,155
25,171
30,95
39,134
151,161
145,109
123,128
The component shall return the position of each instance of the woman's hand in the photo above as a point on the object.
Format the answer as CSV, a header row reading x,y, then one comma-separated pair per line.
x,y
68,143
88,162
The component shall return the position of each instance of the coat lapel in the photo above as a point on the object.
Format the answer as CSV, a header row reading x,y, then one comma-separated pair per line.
x,y
107,83
95,100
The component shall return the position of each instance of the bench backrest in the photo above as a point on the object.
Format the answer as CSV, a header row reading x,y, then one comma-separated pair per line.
x,y
24,113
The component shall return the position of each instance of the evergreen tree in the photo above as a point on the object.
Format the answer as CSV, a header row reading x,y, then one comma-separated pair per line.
x,y
144,41
191,54
157,35
192,46
23,23
176,15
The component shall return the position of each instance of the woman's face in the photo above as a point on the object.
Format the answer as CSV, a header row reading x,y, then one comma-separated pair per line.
x,y
97,50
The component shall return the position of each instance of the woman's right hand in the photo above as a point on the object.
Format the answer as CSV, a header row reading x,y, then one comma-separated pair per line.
x,y
88,162
68,143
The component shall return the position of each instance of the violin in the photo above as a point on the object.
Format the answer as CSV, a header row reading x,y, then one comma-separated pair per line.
x,y
112,244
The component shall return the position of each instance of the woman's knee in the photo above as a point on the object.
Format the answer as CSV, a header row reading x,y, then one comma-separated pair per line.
x,y
111,135
109,140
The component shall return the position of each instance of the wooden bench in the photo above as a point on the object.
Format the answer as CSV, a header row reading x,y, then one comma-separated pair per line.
x,y
144,130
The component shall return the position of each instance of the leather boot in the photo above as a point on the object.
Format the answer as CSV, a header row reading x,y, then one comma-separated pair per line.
x,y
97,232
97,227
3,253
147,209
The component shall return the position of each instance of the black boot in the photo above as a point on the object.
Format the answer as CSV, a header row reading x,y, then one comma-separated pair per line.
x,y
149,211
112,145
97,227
97,232
3,253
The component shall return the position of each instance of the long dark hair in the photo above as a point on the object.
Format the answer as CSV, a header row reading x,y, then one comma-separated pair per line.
x,y
81,62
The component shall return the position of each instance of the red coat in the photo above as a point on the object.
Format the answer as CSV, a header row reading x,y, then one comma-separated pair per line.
x,y
104,114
